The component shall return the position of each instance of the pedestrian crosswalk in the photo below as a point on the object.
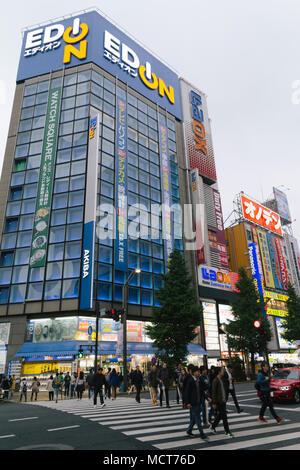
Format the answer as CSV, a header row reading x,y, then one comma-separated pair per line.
x,y
165,428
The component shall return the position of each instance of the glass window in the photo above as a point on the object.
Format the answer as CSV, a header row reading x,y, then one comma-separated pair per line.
x,y
32,176
73,250
63,156
133,295
65,142
58,217
82,112
22,256
35,291
70,79
146,264
72,268
25,125
105,254
17,178
104,272
78,168
133,261
30,190
23,138
107,161
35,148
66,128
16,194
43,86
38,122
62,170
81,125
96,102
28,206
20,165
96,77
77,182
70,289
104,291
57,234
67,115
17,293
24,239
79,153
74,232
30,89
59,201
27,113
54,271
80,138
158,267
7,258
26,222
106,189
75,214
69,91
61,186
36,274
56,252
146,280
13,208
147,297
5,275
40,110
11,225
97,90
52,290
20,274
84,76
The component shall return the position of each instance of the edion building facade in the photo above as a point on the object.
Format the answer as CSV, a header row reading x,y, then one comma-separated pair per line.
x,y
106,147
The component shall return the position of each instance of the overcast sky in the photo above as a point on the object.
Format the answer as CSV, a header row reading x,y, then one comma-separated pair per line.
x,y
245,55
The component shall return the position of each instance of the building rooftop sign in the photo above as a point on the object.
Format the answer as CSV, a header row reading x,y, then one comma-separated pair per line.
x,y
260,215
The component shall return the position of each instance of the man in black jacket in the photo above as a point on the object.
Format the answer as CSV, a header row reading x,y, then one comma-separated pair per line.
x,y
98,383
137,381
164,383
228,380
194,398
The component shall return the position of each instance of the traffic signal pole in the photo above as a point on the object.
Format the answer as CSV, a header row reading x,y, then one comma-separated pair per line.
x,y
96,342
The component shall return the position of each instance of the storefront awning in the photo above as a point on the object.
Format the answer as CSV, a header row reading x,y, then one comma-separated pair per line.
x,y
67,348
63,348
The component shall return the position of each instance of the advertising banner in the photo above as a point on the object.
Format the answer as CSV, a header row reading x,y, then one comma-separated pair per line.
x,y
217,278
211,327
45,186
282,263
260,215
220,233
91,38
252,247
282,205
256,241
274,261
88,246
197,132
121,186
283,344
166,189
4,339
265,258
198,216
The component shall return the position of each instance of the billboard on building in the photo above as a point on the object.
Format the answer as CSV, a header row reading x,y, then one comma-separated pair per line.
x,y
198,139
89,37
282,263
220,232
274,261
199,217
252,247
217,278
260,215
282,205
265,258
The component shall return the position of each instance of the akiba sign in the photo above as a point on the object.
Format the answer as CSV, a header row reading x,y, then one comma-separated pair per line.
x,y
91,38
217,278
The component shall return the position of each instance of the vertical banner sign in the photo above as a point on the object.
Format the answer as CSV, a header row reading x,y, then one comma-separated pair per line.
x,y
255,239
121,186
198,216
252,247
266,261
45,187
274,261
166,191
88,246
283,268
221,242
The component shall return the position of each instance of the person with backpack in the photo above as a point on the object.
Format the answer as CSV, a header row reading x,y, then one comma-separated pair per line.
x,y
23,389
114,384
35,388
67,381
80,385
263,385
219,402
89,379
98,383
49,388
56,384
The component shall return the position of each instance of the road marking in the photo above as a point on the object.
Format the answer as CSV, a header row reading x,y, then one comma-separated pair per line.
x,y
8,435
23,419
276,407
293,447
61,429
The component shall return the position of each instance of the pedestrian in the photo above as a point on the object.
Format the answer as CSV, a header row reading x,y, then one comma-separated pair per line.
x,y
177,376
137,381
164,384
107,382
153,384
130,384
72,384
35,388
23,389
89,379
204,386
211,377
114,384
98,383
80,385
263,382
219,402
181,379
56,384
229,386
49,388
193,403
67,381
6,387
13,385
62,383
188,377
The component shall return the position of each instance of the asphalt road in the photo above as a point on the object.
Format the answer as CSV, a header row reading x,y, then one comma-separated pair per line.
x,y
125,425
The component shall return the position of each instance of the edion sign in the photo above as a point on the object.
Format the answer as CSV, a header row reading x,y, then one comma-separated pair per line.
x,y
260,215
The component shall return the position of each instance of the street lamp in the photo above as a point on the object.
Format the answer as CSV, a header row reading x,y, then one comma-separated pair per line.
x,y
124,307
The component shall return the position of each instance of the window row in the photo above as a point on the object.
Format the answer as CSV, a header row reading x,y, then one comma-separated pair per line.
x,y
52,290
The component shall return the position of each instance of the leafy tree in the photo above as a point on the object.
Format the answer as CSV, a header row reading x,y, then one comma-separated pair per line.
x,y
292,323
174,322
246,309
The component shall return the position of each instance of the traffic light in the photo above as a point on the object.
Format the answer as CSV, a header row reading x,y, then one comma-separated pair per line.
x,y
80,353
114,314
257,324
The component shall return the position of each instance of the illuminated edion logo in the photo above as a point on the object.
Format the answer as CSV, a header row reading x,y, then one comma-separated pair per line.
x,y
49,38
127,59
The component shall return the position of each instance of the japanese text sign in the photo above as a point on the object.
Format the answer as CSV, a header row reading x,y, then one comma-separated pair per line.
x,y
260,215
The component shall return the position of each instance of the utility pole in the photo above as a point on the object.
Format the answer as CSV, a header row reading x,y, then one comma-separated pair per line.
x,y
96,342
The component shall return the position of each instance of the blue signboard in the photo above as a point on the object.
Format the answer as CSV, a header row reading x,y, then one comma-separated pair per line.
x,y
274,261
121,185
89,37
254,269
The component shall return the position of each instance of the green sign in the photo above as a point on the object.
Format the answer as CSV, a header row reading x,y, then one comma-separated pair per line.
x,y
44,196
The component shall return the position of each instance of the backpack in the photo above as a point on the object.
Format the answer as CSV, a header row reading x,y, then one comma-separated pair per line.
x,y
24,387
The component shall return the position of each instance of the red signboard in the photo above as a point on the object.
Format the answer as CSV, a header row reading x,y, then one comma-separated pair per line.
x,y
260,215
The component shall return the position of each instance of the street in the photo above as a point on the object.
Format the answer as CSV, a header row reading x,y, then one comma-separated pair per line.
x,y
126,425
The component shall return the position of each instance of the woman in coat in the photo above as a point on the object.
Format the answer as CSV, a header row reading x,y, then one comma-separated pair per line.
x,y
49,388
80,385
35,388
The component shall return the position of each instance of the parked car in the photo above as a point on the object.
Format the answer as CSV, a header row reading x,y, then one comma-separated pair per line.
x,y
286,383
282,365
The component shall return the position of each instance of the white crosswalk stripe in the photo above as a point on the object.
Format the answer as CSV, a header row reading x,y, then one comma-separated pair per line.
x,y
165,428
